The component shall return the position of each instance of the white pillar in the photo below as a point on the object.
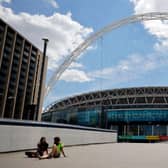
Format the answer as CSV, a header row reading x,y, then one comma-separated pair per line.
x,y
138,130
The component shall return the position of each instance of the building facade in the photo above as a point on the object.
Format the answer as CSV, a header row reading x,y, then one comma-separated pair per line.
x,y
20,76
137,113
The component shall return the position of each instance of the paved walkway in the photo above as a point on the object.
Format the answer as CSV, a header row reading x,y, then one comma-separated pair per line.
x,y
119,155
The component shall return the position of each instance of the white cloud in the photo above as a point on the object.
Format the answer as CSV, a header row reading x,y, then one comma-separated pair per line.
x,y
157,28
7,1
63,32
53,3
161,46
142,6
131,68
138,65
76,65
75,75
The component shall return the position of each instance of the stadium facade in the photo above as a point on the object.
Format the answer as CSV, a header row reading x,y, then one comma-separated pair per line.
x,y
137,113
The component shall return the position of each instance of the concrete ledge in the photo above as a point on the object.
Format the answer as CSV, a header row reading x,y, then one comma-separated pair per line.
x,y
21,135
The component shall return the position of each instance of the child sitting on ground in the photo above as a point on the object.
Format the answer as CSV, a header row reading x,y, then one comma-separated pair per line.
x,y
57,149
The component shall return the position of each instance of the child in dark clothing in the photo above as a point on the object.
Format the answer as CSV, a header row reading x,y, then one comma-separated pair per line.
x,y
42,149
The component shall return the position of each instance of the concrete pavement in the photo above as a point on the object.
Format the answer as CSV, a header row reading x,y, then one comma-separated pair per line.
x,y
116,155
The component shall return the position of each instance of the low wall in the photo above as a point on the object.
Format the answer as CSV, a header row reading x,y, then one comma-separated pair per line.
x,y
21,135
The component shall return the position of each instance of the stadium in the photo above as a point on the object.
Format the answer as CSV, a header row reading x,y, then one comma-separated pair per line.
x,y
139,114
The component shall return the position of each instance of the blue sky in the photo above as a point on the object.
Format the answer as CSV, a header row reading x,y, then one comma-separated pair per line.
x,y
131,56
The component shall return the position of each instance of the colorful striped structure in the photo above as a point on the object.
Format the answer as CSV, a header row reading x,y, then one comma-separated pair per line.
x,y
143,138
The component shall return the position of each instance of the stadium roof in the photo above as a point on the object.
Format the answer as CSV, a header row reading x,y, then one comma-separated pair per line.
x,y
144,96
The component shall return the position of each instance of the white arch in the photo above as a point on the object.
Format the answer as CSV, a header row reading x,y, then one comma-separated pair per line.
x,y
83,46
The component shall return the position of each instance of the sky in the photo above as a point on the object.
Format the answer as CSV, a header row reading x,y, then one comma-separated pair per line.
x,y
133,55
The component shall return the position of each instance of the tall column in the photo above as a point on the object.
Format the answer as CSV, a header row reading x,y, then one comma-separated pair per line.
x,y
18,76
138,130
42,82
25,86
8,75
3,44
1,57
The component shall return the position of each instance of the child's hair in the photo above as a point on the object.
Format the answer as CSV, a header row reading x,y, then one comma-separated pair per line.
x,y
56,140
42,139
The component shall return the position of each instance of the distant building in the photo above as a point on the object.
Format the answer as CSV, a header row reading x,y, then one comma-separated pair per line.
x,y
20,76
139,114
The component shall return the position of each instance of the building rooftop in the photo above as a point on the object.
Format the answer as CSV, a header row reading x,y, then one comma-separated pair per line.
x,y
116,155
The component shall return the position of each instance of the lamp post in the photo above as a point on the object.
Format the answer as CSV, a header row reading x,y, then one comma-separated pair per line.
x,y
41,76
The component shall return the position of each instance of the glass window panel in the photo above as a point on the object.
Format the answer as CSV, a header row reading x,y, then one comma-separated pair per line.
x,y
137,115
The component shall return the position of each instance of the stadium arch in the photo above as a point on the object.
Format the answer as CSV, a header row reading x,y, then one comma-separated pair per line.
x,y
84,45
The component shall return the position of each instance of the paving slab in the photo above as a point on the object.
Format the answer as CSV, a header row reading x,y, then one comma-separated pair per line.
x,y
115,155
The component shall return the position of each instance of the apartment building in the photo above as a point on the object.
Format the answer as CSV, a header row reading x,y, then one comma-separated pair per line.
x,y
21,82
